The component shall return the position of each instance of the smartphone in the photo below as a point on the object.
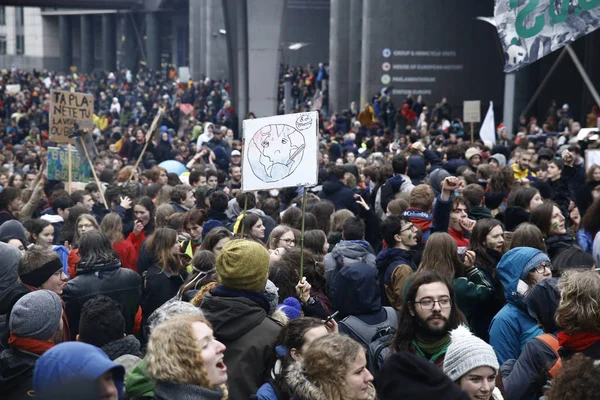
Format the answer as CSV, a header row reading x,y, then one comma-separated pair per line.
x,y
462,250
332,316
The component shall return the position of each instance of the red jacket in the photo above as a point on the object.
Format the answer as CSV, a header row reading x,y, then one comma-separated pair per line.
x,y
460,238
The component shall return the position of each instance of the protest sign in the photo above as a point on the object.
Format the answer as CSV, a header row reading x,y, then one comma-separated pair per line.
x,y
472,111
488,128
592,157
13,88
69,110
280,151
530,30
58,165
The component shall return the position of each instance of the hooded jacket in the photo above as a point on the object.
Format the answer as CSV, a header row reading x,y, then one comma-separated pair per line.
x,y
16,373
345,253
394,268
120,284
512,327
357,293
303,389
242,325
66,371
10,257
341,196
525,377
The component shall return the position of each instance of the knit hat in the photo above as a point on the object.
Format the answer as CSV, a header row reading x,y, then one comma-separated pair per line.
x,y
210,225
533,262
36,315
291,308
467,352
472,151
405,375
243,265
500,158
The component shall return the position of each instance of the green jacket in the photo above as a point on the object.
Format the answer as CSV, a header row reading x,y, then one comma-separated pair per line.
x,y
137,383
472,290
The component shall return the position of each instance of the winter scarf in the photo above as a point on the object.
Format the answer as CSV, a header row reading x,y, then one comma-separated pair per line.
x,y
34,346
128,345
420,218
258,298
577,341
432,350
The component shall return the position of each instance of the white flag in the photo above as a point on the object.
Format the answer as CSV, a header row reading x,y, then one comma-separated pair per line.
x,y
488,128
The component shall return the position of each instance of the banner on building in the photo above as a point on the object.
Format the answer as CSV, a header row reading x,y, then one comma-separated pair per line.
x,y
69,110
58,165
532,29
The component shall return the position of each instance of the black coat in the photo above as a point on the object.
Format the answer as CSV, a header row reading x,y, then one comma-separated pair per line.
x,y
341,196
120,284
557,244
159,287
16,374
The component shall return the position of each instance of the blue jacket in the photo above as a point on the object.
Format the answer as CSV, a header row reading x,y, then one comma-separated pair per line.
x,y
341,196
512,327
71,364
63,254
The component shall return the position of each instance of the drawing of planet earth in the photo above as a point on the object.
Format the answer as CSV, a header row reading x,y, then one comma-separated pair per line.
x,y
275,152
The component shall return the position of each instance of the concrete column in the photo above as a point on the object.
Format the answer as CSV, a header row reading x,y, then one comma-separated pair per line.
x,y
66,42
365,72
153,41
127,46
236,24
339,48
354,55
509,102
109,41
196,23
87,43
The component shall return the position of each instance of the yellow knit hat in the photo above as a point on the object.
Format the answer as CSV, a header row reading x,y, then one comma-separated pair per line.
x,y
244,265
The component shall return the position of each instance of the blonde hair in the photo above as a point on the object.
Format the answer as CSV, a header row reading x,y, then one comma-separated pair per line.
x,y
112,225
174,354
327,362
88,217
338,219
579,308
162,215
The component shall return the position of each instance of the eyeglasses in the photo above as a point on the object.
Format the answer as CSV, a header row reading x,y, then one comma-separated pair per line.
x,y
288,241
411,227
428,304
541,268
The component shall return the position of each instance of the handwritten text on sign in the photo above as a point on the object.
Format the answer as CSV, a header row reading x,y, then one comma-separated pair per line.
x,y
58,165
68,109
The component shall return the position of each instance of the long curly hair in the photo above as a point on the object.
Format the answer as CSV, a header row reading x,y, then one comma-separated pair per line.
x,y
327,362
579,308
174,354
578,379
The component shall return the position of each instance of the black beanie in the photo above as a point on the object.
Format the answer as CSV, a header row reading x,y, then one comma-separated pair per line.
x,y
410,377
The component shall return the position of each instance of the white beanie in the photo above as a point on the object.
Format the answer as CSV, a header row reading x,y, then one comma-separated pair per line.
x,y
467,352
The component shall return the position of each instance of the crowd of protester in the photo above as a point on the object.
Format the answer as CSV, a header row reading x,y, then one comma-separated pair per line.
x,y
433,267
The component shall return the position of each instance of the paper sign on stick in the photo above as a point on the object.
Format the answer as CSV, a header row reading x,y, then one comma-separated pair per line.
x,y
280,151
68,109
58,165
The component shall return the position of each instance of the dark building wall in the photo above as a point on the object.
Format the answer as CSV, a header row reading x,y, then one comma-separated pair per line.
x,y
467,67
306,21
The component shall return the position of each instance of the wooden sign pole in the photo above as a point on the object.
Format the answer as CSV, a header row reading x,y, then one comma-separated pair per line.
x,y
100,187
472,133
70,162
148,139
304,195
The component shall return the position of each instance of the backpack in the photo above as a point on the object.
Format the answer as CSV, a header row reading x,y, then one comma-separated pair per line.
x,y
552,342
376,339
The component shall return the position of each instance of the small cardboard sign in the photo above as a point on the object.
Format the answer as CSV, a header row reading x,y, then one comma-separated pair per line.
x,y
472,111
68,110
13,88
58,165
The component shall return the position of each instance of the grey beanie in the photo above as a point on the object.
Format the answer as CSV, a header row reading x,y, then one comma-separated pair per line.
x,y
170,309
36,315
435,179
500,158
467,352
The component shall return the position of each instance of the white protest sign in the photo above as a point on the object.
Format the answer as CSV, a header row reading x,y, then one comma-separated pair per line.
x,y
472,111
280,151
184,74
488,128
13,88
592,157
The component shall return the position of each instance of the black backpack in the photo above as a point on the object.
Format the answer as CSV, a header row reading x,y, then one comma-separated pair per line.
x,y
376,339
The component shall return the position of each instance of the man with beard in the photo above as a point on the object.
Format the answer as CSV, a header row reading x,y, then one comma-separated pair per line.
x,y
432,314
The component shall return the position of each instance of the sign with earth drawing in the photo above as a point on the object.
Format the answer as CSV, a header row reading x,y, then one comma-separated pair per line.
x,y
280,151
